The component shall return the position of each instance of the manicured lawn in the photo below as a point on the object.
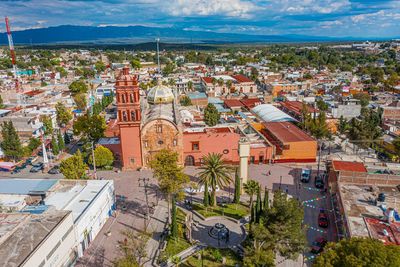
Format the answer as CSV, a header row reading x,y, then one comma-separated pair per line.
x,y
236,211
212,257
174,246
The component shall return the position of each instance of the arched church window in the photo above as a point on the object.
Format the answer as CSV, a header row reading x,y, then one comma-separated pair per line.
x,y
133,115
124,116
123,98
131,97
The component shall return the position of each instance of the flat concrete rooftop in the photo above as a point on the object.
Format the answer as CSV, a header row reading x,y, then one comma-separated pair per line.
x,y
23,233
358,203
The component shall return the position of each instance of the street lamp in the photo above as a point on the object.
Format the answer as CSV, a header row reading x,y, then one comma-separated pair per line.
x,y
145,184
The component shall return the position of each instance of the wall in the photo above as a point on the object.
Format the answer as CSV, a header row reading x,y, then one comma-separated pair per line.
x,y
153,141
256,152
130,147
305,151
95,216
210,142
61,256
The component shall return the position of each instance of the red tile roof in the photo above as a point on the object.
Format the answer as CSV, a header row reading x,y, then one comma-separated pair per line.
x,y
348,166
251,102
297,106
232,103
33,92
241,78
376,228
286,132
207,79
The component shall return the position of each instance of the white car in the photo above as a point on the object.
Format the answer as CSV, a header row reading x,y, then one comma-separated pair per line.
x,y
200,189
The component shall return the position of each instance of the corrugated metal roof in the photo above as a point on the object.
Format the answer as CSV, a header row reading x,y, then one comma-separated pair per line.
x,y
270,113
25,186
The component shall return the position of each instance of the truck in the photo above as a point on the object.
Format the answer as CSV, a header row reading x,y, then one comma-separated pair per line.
x,y
305,175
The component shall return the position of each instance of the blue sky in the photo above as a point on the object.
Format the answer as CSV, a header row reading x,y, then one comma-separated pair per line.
x,y
355,18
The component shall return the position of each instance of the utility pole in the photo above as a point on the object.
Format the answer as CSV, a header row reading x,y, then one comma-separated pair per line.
x,y
92,143
319,157
158,55
147,215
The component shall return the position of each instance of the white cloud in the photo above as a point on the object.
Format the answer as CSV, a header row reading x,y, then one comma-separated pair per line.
x,y
230,8
310,6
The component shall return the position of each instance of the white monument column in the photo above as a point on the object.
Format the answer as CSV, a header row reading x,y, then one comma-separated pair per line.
x,y
244,153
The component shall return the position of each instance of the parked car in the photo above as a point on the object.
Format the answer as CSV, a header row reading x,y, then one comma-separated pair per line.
x,y
319,181
305,175
318,245
37,167
323,220
54,170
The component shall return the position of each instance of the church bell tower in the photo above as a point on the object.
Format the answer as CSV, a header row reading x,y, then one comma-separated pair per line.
x,y
129,116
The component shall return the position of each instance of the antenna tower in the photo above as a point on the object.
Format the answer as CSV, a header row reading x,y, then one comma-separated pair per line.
x,y
13,58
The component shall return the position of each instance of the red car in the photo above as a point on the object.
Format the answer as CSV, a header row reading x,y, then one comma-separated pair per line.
x,y
323,220
318,245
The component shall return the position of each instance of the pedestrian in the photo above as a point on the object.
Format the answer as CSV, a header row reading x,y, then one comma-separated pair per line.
x,y
287,189
269,172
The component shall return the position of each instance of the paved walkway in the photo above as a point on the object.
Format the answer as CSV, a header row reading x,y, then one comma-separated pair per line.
x,y
156,227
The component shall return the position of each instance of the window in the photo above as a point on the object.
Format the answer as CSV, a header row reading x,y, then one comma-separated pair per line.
x,y
158,128
124,117
175,142
133,115
123,98
53,250
160,142
195,146
131,98
132,160
146,144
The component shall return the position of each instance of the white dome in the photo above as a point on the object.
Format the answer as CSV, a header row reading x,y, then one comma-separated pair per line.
x,y
160,94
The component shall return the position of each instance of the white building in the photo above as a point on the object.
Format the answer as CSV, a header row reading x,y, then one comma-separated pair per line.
x,y
71,211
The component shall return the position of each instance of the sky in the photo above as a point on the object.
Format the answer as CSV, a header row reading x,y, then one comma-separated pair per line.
x,y
333,18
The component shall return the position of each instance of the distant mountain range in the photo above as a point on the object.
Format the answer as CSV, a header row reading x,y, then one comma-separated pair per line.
x,y
68,34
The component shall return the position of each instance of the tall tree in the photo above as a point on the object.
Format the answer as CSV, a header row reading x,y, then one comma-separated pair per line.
x,y
1,102
251,188
174,223
47,124
92,127
358,251
238,188
133,250
78,87
103,156
54,146
215,172
211,115
60,141
266,200
206,197
80,101
258,205
259,252
169,175
74,167
342,125
64,115
11,145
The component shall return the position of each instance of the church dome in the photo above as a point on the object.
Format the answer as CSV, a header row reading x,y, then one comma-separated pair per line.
x,y
160,94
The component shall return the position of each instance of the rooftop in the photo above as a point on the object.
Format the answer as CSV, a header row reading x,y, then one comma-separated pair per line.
x,y
287,132
23,233
270,113
25,186
348,166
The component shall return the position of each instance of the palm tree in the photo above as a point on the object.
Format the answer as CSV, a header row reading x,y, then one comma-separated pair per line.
x,y
215,173
251,188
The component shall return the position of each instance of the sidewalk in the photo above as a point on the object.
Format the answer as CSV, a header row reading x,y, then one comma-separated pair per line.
x,y
156,227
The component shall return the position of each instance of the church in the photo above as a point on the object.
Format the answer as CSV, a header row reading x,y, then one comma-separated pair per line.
x,y
148,122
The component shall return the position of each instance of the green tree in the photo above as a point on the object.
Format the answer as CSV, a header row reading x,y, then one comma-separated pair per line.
x,y
91,127
74,167
185,101
133,250
357,251
260,251
78,87
62,71
364,98
258,206
266,200
104,157
47,124
190,85
64,115
34,143
54,146
135,63
11,144
396,144
215,172
211,115
206,197
322,105
238,189
319,127
100,66
1,102
60,141
251,188
169,68
342,125
169,175
80,101
174,223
